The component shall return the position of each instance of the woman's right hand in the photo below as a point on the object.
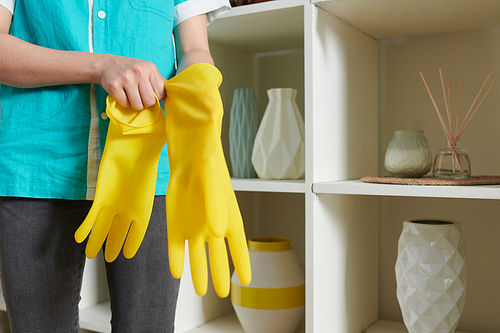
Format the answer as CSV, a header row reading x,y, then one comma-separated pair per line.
x,y
132,82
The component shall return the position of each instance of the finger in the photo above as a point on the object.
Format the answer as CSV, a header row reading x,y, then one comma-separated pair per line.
x,y
238,246
216,201
121,96
99,232
135,237
147,93
176,248
199,269
157,82
116,237
134,98
83,231
219,266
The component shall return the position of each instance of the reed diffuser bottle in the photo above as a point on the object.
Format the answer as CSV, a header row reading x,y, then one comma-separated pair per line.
x,y
452,162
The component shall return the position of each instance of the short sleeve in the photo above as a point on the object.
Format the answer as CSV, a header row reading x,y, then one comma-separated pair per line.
x,y
9,4
189,8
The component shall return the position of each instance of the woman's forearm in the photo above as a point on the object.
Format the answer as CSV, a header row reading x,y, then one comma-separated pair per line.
x,y
192,42
132,82
26,65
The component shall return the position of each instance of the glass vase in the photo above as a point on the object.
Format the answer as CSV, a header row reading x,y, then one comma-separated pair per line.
x,y
451,162
408,154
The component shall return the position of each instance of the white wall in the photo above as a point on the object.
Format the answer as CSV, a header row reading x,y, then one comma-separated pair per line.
x,y
405,104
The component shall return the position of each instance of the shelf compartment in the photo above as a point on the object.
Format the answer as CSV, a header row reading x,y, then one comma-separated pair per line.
x,y
357,187
385,326
263,27
262,185
96,318
395,18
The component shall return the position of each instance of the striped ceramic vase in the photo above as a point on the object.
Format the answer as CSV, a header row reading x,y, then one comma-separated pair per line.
x,y
274,301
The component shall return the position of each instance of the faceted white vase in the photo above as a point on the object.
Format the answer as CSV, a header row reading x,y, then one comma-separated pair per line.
x,y
279,151
431,275
274,301
243,126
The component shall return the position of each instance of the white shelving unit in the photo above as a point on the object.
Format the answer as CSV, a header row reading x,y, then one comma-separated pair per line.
x,y
338,55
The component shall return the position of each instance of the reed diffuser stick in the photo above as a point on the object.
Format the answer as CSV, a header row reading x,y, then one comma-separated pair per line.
x,y
452,136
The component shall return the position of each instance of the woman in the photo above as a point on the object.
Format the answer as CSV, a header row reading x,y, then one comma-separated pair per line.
x,y
58,62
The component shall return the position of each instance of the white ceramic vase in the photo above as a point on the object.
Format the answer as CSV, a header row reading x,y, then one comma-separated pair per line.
x,y
279,150
431,275
274,301
243,126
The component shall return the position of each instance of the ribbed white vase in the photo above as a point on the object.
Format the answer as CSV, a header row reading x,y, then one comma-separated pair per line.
x,y
279,150
431,275
274,301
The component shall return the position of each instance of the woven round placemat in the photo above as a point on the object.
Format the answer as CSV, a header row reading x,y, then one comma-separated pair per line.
x,y
429,180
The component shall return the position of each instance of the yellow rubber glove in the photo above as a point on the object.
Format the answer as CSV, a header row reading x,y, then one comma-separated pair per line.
x,y
126,181
201,204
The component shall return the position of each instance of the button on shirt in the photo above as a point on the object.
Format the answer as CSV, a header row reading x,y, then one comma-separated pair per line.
x,y
54,152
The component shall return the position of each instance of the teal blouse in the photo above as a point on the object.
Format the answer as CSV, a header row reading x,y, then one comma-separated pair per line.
x,y
51,138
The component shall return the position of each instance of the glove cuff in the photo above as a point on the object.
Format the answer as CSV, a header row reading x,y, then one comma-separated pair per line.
x,y
130,121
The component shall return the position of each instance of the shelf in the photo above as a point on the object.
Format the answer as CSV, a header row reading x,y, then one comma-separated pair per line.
x,y
263,27
227,323
396,18
262,185
357,187
385,326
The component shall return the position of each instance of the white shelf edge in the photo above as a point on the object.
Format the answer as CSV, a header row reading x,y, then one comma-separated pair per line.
x,y
357,187
385,326
262,185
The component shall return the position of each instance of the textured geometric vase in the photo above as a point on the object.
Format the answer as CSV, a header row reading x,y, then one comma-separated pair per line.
x,y
279,150
431,275
243,126
275,299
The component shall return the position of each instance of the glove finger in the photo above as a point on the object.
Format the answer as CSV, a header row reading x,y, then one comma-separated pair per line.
x,y
83,231
116,237
135,237
238,245
219,266
216,201
176,248
99,232
199,269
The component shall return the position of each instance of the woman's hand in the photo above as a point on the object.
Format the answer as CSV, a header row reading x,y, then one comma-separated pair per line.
x,y
132,82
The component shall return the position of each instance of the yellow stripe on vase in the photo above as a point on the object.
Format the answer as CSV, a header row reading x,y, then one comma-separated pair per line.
x,y
268,298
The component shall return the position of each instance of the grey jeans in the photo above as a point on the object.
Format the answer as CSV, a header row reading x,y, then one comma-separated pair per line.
x,y
42,266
